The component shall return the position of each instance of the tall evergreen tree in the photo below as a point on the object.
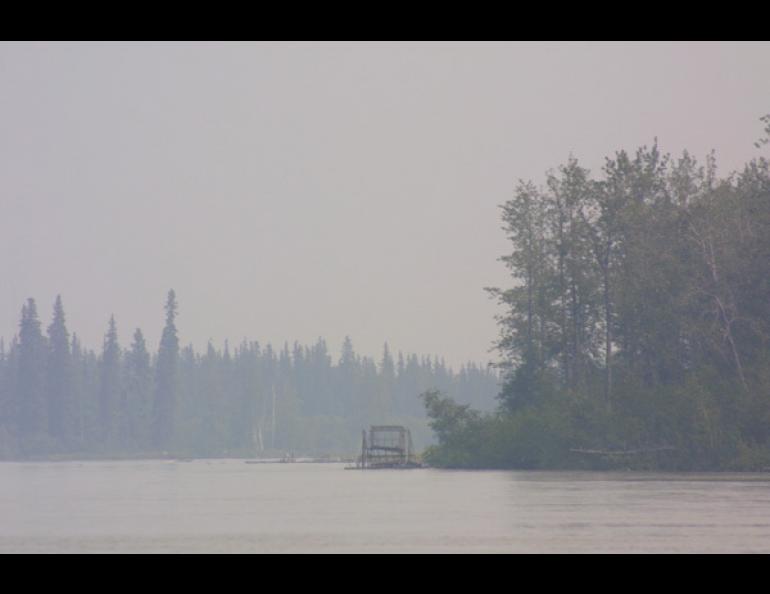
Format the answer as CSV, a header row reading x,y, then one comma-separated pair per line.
x,y
387,381
110,388
79,391
7,441
167,378
62,414
30,386
138,387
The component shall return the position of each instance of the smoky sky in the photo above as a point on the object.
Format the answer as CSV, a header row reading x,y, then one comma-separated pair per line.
x,y
296,191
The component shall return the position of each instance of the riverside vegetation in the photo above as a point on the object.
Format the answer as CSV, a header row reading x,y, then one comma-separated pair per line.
x,y
636,330
61,400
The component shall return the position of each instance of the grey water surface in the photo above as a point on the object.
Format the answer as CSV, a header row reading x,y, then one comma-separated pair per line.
x,y
227,506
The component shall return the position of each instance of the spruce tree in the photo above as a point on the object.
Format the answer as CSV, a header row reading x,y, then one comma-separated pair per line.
x,y
61,408
30,387
110,389
138,387
387,382
166,379
6,440
347,374
79,393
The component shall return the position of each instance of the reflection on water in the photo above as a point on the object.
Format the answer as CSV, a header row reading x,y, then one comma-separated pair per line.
x,y
229,506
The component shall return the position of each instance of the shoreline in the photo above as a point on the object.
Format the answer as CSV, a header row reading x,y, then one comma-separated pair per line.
x,y
250,460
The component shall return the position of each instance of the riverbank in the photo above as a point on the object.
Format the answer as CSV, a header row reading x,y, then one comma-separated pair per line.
x,y
165,457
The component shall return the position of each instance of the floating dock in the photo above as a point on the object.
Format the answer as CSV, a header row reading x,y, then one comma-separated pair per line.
x,y
387,446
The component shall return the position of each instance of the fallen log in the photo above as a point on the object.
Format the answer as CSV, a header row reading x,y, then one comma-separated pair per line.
x,y
622,452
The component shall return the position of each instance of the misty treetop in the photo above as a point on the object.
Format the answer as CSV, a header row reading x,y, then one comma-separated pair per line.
x,y
57,398
638,319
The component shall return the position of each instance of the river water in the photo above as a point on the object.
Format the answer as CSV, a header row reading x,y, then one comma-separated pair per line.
x,y
227,506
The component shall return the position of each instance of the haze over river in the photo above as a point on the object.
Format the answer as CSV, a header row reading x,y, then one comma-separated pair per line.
x,y
227,506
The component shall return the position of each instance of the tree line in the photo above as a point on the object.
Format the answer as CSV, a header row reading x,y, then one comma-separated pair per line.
x,y
59,398
638,320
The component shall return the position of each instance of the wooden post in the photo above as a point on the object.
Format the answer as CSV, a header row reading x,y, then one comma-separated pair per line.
x,y
363,449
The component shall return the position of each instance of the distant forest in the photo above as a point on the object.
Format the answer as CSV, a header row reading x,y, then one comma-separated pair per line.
x,y
59,399
636,329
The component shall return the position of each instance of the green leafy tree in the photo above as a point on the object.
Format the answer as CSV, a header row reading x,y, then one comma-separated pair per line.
x,y
766,139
